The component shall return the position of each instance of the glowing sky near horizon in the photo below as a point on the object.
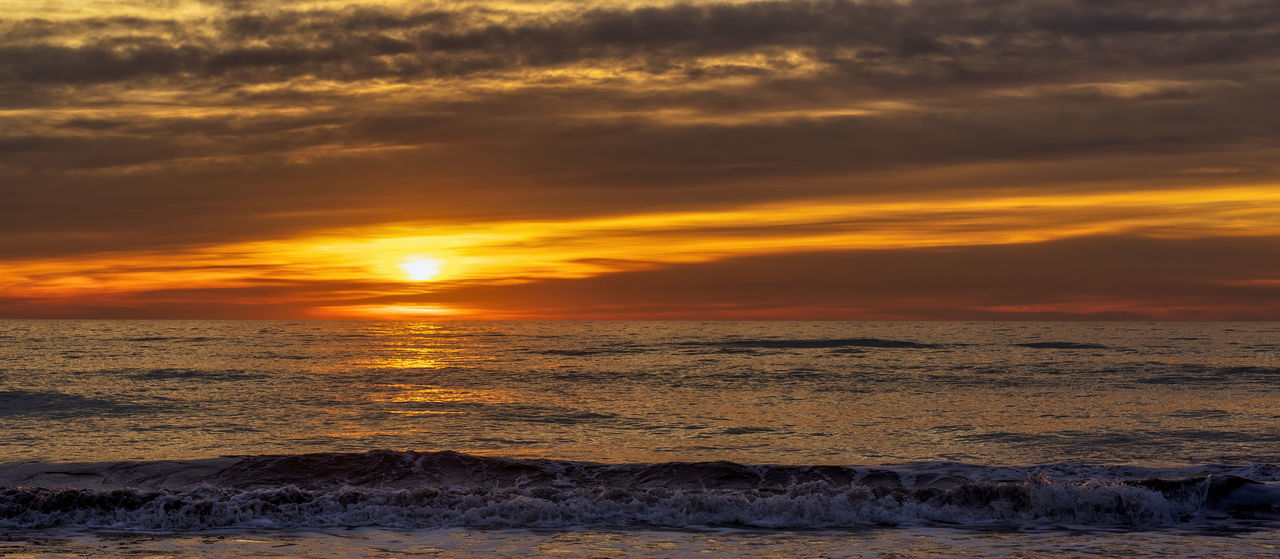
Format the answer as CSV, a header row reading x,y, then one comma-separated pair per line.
x,y
928,159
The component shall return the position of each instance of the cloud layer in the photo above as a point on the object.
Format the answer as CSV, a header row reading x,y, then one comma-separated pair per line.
x,y
140,128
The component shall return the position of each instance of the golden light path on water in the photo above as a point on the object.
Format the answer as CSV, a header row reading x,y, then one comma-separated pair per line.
x,y
431,360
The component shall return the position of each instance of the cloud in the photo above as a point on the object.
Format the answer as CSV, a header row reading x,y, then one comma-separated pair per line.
x,y
922,39
1104,277
223,122
1086,278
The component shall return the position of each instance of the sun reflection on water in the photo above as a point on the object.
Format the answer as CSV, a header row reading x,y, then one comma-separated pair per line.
x,y
431,394
425,412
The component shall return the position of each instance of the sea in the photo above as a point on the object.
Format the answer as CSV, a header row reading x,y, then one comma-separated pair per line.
x,y
639,439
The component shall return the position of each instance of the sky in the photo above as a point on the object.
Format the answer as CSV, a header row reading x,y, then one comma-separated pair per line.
x,y
515,159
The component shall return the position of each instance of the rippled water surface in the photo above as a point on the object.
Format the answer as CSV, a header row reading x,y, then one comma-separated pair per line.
x,y
1049,427
835,393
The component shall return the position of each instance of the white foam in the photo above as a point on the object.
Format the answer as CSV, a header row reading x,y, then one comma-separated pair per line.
x,y
806,506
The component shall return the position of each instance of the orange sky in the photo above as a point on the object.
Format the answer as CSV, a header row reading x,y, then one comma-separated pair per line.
x,y
935,159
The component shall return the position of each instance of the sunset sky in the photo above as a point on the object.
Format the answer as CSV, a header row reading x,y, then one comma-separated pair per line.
x,y
512,159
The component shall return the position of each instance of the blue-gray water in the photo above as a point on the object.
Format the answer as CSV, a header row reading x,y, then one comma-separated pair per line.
x,y
578,427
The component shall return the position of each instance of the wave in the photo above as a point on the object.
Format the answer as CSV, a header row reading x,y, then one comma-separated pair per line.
x,y
185,339
813,343
208,375
61,405
449,489
1061,345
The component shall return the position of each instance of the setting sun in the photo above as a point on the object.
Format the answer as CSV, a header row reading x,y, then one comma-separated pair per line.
x,y
421,269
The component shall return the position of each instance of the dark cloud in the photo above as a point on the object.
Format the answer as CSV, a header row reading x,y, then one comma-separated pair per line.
x,y
1068,124
270,119
928,38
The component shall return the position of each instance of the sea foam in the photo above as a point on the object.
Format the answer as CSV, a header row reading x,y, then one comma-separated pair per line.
x,y
448,489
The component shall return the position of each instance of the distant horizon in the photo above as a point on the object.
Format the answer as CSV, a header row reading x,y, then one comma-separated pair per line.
x,y
772,320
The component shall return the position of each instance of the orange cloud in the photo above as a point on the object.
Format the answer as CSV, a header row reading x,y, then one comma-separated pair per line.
x,y
512,252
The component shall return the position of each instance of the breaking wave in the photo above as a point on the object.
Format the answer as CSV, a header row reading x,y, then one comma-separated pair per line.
x,y
448,489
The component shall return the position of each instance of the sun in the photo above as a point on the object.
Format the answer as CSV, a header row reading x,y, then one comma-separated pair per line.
x,y
421,269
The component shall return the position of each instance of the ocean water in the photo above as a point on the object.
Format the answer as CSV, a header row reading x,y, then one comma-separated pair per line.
x,y
654,439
